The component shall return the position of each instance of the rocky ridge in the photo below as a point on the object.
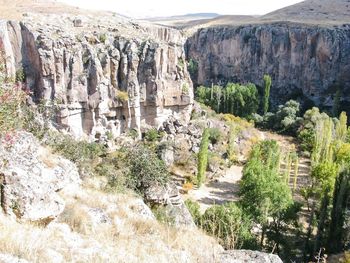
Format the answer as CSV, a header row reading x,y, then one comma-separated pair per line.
x,y
306,62
104,74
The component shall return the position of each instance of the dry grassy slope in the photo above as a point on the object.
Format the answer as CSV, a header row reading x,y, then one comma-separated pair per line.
x,y
14,9
315,12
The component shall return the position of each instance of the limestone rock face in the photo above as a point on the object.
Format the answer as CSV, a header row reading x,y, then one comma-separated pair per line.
x,y
306,62
31,177
104,75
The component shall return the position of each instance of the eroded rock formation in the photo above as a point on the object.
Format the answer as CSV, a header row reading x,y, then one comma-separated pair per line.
x,y
305,61
103,73
30,177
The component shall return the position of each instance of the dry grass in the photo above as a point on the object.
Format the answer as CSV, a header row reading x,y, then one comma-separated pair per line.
x,y
127,237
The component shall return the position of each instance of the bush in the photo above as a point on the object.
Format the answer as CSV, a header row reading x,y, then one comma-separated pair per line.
x,y
193,208
306,138
11,116
122,96
83,153
146,169
152,135
193,68
215,135
229,224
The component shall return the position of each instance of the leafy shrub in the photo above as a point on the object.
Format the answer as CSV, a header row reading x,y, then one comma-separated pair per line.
x,y
162,215
20,75
193,67
238,121
185,89
180,63
83,153
122,96
285,120
133,133
102,38
306,138
12,97
228,223
152,135
146,169
215,135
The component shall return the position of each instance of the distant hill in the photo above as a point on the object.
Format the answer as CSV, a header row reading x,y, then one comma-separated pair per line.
x,y
319,12
313,11
14,9
186,17
182,20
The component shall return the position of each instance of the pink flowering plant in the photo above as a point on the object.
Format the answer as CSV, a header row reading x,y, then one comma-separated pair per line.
x,y
12,98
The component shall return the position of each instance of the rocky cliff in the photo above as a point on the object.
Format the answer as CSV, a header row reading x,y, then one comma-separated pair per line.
x,y
305,61
103,73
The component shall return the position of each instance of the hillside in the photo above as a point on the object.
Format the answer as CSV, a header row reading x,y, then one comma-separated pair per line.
x,y
334,12
312,12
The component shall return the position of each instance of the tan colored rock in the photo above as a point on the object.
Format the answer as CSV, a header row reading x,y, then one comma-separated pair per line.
x,y
86,69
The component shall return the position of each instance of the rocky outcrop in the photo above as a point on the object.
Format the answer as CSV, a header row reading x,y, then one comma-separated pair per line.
x,y
169,197
240,256
103,74
6,258
306,62
31,177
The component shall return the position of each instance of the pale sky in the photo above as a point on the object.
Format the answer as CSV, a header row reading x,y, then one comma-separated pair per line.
x,y
156,8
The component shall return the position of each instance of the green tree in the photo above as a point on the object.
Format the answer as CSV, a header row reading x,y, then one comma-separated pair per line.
x,y
336,102
267,87
324,175
239,100
262,191
145,169
341,127
203,157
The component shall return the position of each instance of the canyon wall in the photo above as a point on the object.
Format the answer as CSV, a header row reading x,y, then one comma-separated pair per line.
x,y
306,62
104,74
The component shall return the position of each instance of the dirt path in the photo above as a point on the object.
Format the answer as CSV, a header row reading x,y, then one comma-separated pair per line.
x,y
218,191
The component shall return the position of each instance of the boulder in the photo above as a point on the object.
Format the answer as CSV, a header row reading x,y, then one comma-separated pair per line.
x,y
31,177
169,197
6,258
242,256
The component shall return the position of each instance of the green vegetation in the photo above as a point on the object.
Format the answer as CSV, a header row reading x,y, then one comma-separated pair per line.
x,y
203,157
12,98
227,223
193,68
285,120
152,135
83,153
102,38
230,225
236,99
215,135
185,89
145,169
267,87
122,96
